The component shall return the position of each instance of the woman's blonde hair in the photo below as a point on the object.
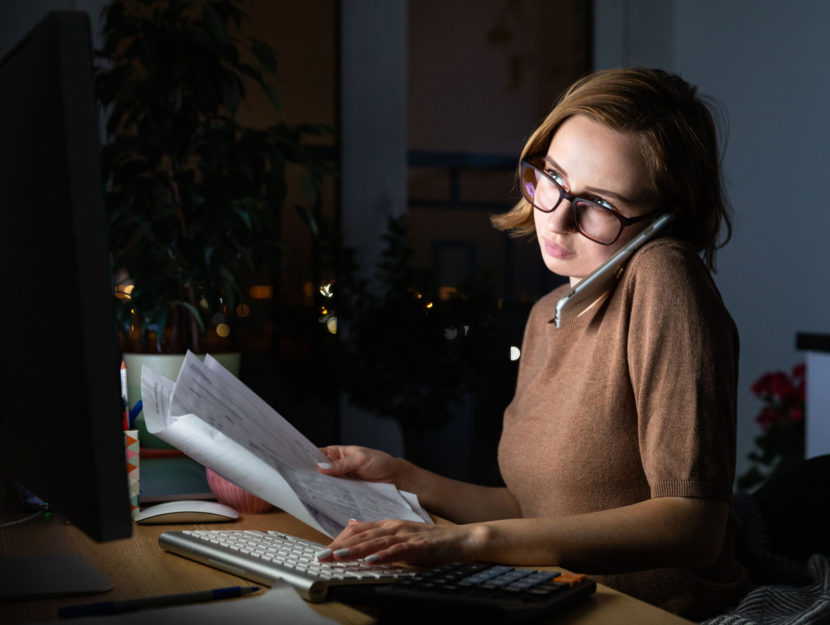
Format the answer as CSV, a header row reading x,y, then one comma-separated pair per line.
x,y
678,140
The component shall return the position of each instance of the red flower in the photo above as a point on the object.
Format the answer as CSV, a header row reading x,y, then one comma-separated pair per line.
x,y
782,423
775,384
761,385
783,396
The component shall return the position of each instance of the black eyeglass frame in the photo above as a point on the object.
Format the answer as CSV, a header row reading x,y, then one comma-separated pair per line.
x,y
573,199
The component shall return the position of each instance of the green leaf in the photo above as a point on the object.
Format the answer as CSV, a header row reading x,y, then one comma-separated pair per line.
x,y
193,312
272,96
233,93
155,321
307,218
265,55
229,277
310,189
244,213
214,24
176,99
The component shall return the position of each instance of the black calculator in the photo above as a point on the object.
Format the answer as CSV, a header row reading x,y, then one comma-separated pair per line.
x,y
471,593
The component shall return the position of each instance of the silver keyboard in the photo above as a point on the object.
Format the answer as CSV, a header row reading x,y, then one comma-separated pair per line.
x,y
266,557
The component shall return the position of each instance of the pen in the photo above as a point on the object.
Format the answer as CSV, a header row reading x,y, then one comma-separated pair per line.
x,y
116,607
134,412
124,400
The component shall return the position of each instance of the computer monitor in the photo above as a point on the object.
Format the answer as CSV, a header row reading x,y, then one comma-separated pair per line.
x,y
61,429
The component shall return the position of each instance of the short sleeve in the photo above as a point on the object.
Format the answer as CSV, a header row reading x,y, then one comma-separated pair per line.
x,y
682,354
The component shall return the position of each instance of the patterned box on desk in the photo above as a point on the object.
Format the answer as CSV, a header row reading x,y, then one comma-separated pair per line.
x,y
132,450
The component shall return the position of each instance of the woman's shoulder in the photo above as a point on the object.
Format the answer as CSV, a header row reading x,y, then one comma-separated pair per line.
x,y
667,260
670,270
666,250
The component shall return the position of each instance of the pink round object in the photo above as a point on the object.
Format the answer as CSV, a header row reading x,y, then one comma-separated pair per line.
x,y
237,498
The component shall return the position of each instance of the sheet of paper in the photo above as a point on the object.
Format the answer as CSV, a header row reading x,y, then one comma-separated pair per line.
x,y
280,604
211,448
271,438
214,418
415,504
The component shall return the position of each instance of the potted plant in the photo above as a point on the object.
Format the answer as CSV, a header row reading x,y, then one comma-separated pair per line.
x,y
194,197
419,354
780,446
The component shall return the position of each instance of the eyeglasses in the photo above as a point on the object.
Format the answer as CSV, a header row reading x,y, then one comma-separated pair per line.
x,y
594,221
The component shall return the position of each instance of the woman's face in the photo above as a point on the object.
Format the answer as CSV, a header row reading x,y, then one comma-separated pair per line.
x,y
591,161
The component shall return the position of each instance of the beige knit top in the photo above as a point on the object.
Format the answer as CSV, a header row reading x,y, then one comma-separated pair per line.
x,y
633,399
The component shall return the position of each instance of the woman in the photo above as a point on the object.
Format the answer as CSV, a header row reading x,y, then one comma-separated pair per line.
x,y
618,448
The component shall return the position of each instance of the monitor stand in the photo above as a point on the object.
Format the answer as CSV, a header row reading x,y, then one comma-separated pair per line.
x,y
49,575
41,575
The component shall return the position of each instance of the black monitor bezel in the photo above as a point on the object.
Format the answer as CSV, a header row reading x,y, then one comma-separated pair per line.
x,y
61,436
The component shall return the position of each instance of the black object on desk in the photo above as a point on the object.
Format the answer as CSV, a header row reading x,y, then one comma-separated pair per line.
x,y
48,575
130,605
472,593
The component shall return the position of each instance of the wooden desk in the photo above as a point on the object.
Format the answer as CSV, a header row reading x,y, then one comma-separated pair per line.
x,y
138,567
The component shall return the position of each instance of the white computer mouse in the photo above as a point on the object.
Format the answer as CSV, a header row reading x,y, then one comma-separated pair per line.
x,y
187,511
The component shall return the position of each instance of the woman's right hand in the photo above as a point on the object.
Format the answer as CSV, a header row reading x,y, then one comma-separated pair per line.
x,y
367,464
451,499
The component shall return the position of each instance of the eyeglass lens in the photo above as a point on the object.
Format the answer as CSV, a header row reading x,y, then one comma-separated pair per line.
x,y
592,220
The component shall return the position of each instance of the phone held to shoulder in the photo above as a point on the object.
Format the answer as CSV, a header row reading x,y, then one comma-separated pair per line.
x,y
596,283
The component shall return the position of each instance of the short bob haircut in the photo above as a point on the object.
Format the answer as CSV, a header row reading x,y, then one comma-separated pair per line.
x,y
678,140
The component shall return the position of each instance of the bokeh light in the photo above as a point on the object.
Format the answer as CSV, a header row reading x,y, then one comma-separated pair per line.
x,y
124,291
261,291
327,289
331,325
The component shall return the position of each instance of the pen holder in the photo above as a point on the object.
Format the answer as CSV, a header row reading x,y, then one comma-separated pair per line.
x,y
231,495
131,448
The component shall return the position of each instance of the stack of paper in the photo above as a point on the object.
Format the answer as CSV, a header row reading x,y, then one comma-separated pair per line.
x,y
219,422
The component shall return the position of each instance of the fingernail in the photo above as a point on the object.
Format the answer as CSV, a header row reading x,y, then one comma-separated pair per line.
x,y
341,552
326,466
353,521
325,553
372,558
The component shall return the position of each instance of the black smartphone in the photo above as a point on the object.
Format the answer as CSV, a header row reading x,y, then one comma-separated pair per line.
x,y
600,279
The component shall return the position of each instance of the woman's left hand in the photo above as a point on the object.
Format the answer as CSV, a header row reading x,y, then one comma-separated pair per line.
x,y
406,541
